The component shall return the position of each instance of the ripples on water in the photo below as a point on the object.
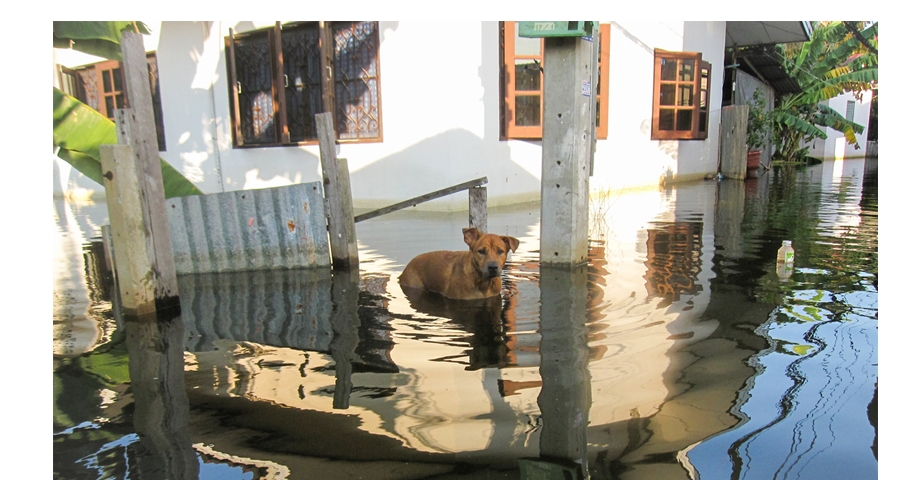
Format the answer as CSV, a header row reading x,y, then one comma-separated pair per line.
x,y
677,352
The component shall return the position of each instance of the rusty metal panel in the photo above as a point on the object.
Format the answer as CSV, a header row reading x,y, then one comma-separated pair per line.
x,y
271,228
282,308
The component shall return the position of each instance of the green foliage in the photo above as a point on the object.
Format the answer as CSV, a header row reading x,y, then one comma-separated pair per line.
x,y
102,39
79,130
834,61
758,122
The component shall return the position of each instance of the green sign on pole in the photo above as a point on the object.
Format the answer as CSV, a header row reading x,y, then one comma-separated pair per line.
x,y
555,29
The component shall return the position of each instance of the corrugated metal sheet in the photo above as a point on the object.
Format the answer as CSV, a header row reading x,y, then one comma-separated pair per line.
x,y
271,228
282,308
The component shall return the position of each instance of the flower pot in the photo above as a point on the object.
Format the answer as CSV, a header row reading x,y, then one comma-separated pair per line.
x,y
753,163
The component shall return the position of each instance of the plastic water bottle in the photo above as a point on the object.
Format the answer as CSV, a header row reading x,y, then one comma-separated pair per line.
x,y
785,266
786,253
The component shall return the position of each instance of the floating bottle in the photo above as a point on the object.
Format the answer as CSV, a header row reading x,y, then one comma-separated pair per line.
x,y
785,266
786,253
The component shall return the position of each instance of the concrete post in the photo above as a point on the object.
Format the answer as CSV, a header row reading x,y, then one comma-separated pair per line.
x,y
570,79
565,397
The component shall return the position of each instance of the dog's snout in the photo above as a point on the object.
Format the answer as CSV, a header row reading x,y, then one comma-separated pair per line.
x,y
493,268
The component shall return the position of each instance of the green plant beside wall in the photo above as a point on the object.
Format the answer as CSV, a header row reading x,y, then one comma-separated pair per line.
x,y
758,122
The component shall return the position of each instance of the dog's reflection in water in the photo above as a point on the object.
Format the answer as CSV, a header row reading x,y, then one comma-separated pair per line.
x,y
482,319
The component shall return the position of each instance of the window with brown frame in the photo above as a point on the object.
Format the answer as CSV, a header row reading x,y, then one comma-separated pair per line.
x,y
522,83
680,96
102,87
280,79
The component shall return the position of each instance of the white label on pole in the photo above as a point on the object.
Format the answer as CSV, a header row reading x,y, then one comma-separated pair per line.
x,y
586,88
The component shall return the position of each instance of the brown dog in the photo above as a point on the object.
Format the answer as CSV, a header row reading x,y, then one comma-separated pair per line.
x,y
462,275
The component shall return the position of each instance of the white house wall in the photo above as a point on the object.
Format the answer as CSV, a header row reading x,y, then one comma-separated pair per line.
x,y
835,146
628,158
440,115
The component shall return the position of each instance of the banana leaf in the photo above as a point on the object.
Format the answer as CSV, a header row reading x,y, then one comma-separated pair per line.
x,y
795,122
79,130
829,117
844,81
102,39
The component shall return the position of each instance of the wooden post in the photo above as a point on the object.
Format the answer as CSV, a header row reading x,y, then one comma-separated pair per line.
x,y
128,230
338,198
136,127
570,79
106,235
412,202
155,345
733,141
345,324
478,208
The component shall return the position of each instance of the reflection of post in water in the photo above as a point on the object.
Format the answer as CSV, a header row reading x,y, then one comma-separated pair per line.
x,y
565,396
728,227
155,344
345,323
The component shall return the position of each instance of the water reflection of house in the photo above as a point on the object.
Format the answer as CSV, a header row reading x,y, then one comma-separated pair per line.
x,y
673,259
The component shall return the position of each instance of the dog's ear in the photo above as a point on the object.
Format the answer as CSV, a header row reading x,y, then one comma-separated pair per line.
x,y
511,242
471,235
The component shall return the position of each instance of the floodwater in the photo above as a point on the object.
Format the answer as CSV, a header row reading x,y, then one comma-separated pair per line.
x,y
680,351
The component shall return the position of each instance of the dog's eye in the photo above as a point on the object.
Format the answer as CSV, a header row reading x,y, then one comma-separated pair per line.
x,y
499,251
483,251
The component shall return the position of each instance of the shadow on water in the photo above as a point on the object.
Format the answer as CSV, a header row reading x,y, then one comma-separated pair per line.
x,y
678,351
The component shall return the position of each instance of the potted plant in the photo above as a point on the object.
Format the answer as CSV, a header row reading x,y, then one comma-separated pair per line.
x,y
757,130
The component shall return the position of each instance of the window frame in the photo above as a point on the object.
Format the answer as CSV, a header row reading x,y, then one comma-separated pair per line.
x,y
700,97
508,129
74,82
327,81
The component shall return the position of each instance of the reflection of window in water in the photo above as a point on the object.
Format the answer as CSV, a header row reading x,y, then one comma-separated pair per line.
x,y
673,259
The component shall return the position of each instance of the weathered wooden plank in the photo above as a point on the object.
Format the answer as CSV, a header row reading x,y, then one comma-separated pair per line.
x,y
421,199
733,141
136,126
134,259
478,208
336,177
345,323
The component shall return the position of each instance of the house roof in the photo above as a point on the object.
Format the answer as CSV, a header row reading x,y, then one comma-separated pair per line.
x,y
751,34
752,47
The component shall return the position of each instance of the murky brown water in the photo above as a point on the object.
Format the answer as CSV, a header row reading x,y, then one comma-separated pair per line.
x,y
676,352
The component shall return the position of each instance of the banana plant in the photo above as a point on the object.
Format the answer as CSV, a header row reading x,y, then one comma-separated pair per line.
x,y
96,38
79,130
838,58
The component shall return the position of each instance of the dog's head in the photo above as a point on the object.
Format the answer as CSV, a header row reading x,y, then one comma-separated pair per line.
x,y
489,251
